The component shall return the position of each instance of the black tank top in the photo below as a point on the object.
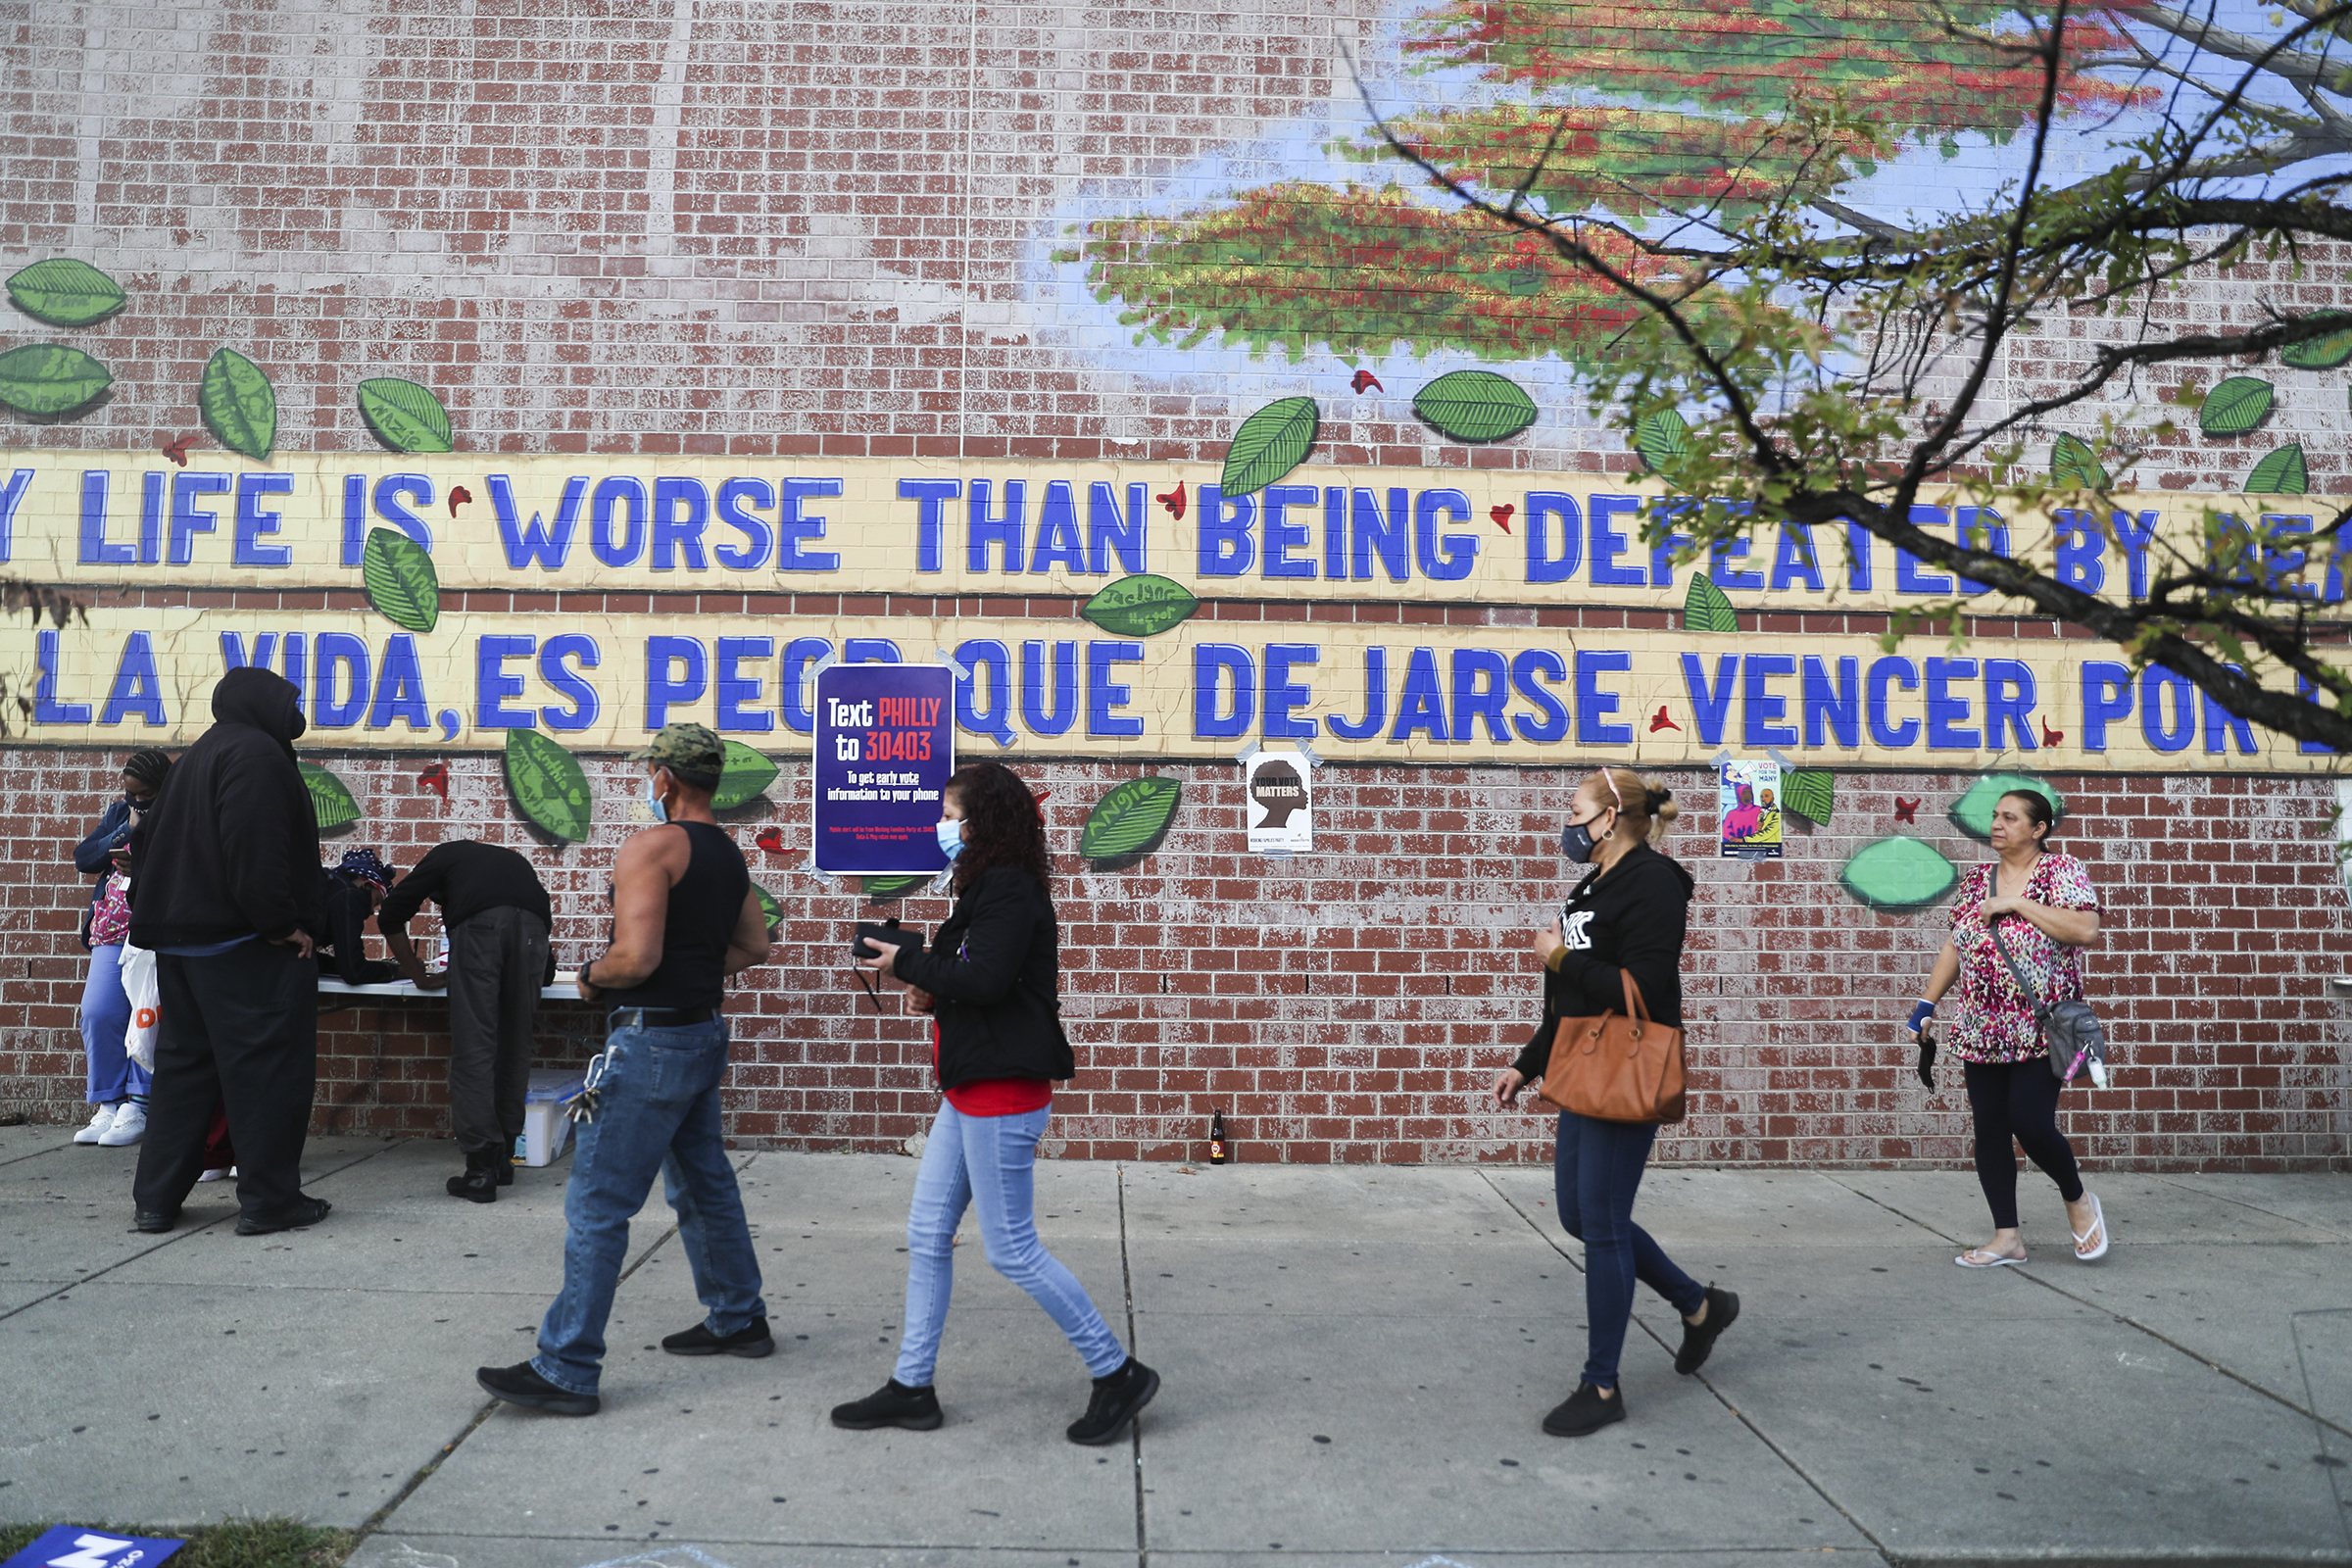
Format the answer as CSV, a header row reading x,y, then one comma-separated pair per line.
x,y
704,907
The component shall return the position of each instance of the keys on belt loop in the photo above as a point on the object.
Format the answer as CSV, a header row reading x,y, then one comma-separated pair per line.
x,y
582,1106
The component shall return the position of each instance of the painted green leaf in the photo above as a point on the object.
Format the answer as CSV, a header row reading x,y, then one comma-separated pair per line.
x,y
50,378
400,580
1704,607
1972,814
1898,875
2074,466
1810,792
2320,352
404,416
743,777
770,907
329,798
65,292
1269,444
2281,473
1476,405
549,785
1662,439
1143,605
885,888
240,406
1131,818
2236,406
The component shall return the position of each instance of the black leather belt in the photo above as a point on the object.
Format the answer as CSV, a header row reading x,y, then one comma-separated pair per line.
x,y
658,1017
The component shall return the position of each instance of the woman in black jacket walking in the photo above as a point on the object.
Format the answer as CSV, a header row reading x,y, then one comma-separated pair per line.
x,y
1630,914
991,982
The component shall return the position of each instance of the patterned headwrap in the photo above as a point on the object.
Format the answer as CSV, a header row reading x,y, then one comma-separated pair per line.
x,y
365,863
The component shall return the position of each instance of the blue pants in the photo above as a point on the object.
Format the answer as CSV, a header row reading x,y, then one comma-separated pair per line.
x,y
1596,1169
988,1164
657,1109
104,1018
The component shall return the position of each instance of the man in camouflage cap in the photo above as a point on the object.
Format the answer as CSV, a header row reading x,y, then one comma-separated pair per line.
x,y
684,918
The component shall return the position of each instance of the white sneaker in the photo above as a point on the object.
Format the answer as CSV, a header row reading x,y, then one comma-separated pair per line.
x,y
131,1125
217,1173
98,1125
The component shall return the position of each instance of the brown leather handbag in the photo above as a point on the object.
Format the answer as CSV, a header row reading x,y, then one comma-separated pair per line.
x,y
1621,1067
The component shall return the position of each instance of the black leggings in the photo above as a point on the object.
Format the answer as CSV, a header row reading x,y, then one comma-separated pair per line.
x,y
2018,1099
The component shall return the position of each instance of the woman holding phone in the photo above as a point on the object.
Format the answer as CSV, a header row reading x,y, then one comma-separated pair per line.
x,y
118,1085
991,983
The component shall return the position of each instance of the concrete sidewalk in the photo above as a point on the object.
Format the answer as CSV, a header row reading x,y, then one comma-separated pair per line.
x,y
1355,1362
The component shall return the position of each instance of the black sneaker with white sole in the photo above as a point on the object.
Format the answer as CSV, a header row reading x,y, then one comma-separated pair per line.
x,y
1723,1310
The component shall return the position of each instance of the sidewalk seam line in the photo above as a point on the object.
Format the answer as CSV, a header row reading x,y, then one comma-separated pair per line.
x,y
1135,1430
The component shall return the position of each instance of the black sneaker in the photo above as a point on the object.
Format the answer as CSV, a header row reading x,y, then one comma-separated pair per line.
x,y
309,1212
1117,1398
152,1221
1723,1310
521,1384
749,1341
1585,1412
480,1184
892,1404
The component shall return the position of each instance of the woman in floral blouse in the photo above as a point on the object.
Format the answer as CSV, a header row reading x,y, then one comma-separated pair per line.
x,y
2048,912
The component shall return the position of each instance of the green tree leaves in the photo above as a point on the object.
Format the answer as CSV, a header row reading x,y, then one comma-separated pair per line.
x,y
2281,474
43,378
1972,814
238,404
2236,406
2320,352
405,416
1705,609
1269,444
65,292
742,776
2075,466
400,580
330,798
1131,818
1811,793
549,786
1142,605
1898,873
1475,406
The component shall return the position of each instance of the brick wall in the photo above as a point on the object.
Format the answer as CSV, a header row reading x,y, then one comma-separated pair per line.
x,y
1349,1006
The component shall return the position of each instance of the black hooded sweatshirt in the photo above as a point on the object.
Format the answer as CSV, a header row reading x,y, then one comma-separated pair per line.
x,y
230,848
1632,917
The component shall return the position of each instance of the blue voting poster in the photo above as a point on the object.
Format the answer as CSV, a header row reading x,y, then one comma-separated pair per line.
x,y
885,749
74,1547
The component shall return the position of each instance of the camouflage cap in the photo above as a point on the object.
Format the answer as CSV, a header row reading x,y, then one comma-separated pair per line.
x,y
692,754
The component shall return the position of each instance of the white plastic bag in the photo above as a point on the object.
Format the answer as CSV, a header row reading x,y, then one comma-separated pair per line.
x,y
138,984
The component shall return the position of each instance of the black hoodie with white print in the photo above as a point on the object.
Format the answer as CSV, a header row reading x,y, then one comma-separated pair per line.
x,y
1632,917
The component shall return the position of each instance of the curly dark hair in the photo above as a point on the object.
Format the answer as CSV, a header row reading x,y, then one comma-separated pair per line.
x,y
1002,825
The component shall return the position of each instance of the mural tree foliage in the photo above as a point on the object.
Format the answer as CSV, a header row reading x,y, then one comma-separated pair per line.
x,y
1659,202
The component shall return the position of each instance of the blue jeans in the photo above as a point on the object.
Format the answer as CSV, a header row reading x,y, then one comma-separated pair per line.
x,y
1596,1169
990,1163
104,1018
656,1108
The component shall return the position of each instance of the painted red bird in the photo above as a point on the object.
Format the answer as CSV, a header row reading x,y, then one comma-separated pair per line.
x,y
2049,736
770,839
435,778
459,497
1907,811
1659,720
1502,516
1365,379
177,451
1173,500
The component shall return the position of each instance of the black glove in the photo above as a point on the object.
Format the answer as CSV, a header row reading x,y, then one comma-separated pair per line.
x,y
1926,1062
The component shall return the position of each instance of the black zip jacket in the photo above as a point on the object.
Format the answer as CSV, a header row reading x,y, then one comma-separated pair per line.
x,y
230,848
993,970
343,950
1632,917
94,855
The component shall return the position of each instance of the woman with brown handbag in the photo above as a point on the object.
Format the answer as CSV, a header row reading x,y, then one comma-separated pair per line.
x,y
1626,921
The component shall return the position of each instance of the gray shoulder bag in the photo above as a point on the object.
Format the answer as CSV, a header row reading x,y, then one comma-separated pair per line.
x,y
2070,1029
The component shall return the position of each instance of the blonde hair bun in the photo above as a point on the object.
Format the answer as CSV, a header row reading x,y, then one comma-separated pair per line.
x,y
1642,800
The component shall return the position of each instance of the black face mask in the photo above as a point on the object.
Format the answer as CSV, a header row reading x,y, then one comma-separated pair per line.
x,y
1577,842
137,805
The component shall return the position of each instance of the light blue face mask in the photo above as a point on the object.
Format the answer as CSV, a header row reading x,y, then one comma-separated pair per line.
x,y
951,837
652,803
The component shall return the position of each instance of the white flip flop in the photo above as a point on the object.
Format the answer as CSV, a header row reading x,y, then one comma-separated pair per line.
x,y
2098,1223
1991,1259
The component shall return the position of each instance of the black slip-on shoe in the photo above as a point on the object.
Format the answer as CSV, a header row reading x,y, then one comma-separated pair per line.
x,y
1723,1310
1585,1412
152,1222
506,1170
521,1384
309,1212
1117,1398
892,1404
749,1341
480,1182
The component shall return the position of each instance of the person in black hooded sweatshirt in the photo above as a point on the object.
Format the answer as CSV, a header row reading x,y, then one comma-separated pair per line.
x,y
226,891
1630,914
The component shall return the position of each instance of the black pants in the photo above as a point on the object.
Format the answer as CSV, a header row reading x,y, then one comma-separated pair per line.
x,y
240,1029
2018,1099
496,964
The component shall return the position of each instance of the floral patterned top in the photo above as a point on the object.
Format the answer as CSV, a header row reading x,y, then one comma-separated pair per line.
x,y
1992,1021
110,920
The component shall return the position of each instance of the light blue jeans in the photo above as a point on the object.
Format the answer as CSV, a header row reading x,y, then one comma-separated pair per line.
x,y
657,1109
988,1164
105,1019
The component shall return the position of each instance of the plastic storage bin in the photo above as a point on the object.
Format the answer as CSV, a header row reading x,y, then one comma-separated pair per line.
x,y
546,1130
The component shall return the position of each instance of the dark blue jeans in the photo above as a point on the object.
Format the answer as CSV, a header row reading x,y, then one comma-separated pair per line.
x,y
656,1108
1596,1169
